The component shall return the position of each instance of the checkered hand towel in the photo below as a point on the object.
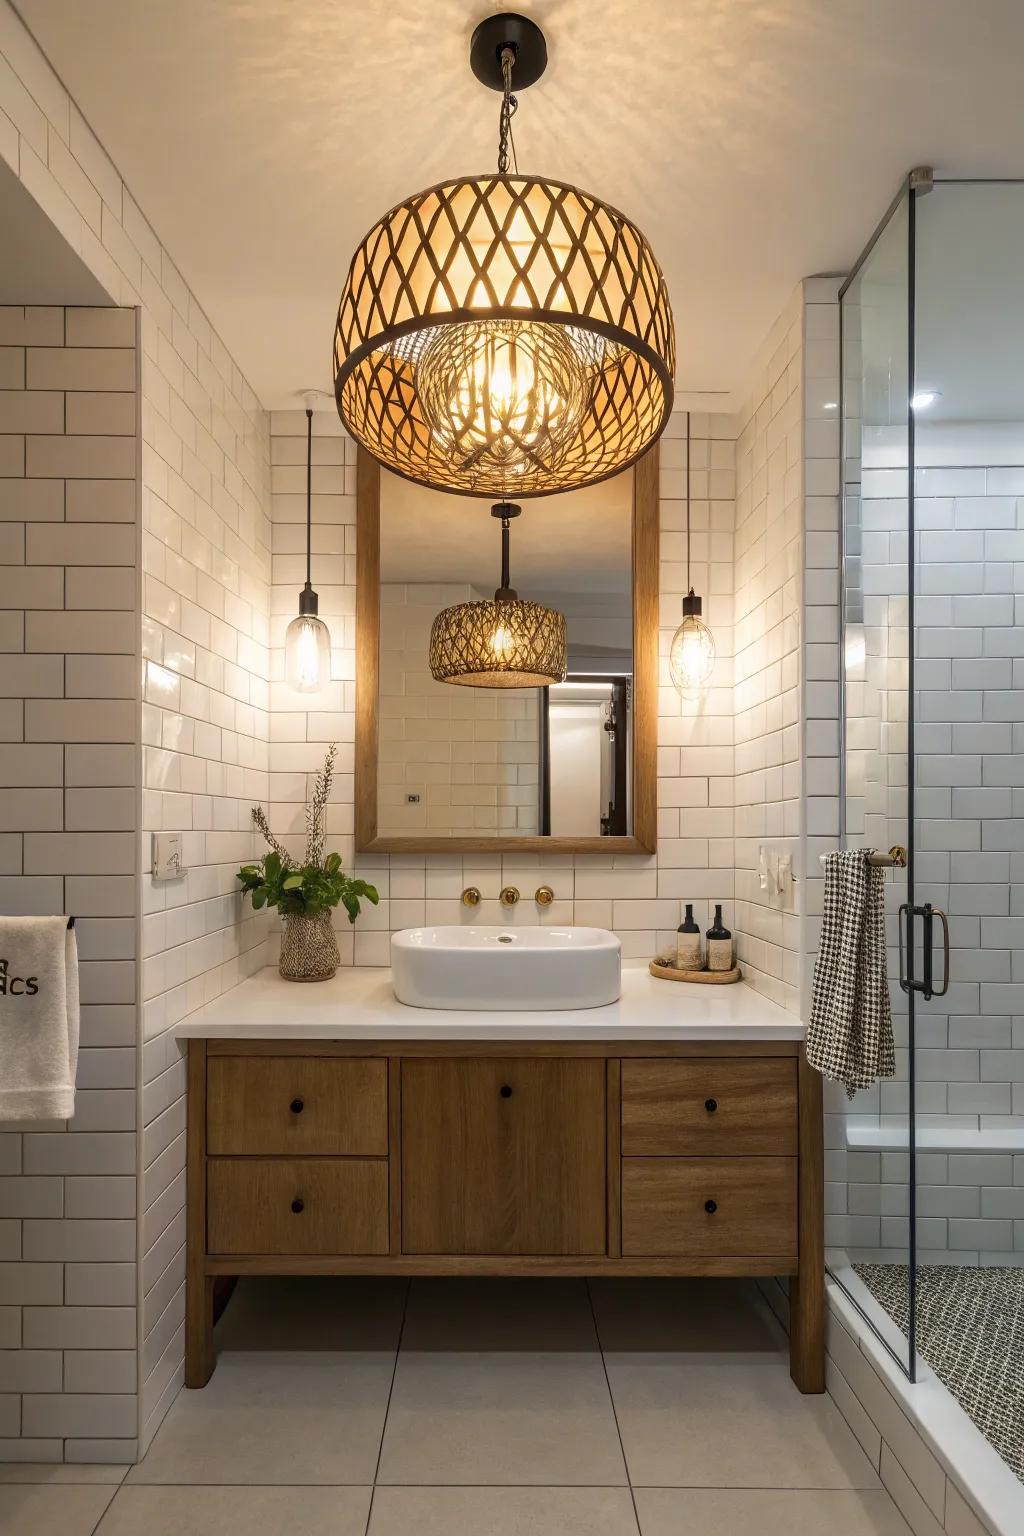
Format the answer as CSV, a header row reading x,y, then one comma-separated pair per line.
x,y
849,1037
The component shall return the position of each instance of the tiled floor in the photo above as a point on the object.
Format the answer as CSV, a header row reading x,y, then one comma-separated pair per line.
x,y
970,1329
505,1408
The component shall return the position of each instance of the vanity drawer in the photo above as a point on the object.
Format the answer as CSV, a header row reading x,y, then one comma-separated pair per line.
x,y
263,1205
297,1106
716,1106
709,1206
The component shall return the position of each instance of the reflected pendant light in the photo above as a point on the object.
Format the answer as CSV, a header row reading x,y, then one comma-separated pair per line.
x,y
307,641
507,643
504,335
691,658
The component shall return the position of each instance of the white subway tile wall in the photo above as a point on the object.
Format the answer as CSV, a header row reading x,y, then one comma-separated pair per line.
x,y
769,552
68,814
203,635
469,755
639,897
205,752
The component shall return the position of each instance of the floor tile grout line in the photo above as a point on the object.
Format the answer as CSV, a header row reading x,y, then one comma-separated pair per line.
x,y
572,1487
115,1489
611,1399
387,1406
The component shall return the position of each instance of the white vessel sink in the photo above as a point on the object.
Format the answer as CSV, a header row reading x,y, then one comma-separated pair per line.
x,y
508,970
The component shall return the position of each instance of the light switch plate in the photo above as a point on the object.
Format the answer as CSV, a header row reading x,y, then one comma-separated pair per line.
x,y
167,863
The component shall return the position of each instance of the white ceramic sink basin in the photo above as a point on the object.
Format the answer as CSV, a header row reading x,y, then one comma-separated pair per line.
x,y
511,970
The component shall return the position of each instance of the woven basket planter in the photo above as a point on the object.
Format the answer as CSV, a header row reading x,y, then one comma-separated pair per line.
x,y
309,949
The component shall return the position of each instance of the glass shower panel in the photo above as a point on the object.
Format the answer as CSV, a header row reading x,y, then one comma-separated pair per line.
x,y
969,772
874,1229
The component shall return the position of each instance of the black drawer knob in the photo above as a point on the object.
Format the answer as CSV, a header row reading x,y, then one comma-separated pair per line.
x,y
506,1091
297,1106
298,1206
710,1105
711,1206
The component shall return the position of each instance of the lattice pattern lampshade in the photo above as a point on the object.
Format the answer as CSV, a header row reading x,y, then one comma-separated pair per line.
x,y
507,644
504,336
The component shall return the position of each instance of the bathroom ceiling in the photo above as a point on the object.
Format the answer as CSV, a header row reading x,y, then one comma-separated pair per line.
x,y
755,141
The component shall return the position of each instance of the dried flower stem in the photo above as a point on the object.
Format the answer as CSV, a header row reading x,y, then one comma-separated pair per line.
x,y
316,809
259,816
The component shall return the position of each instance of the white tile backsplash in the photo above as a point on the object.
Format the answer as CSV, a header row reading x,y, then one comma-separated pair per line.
x,y
695,771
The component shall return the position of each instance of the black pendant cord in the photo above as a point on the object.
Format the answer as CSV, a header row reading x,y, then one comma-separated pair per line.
x,y
506,511
309,497
692,604
309,603
689,583
509,106
505,542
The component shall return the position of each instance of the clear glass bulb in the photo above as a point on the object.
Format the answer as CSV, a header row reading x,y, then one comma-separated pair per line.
x,y
692,656
502,396
307,654
501,642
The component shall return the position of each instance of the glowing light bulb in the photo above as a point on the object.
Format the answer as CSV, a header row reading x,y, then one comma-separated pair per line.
x,y
503,396
692,656
307,654
501,642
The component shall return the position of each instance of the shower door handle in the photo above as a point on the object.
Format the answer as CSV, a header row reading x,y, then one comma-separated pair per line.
x,y
908,982
938,912
906,947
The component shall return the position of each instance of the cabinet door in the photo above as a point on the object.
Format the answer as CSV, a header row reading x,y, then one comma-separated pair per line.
x,y
503,1157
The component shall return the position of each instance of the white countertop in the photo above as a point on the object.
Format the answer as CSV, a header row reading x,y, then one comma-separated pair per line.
x,y
359,1004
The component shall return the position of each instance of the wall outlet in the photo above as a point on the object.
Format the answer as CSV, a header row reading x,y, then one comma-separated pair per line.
x,y
167,863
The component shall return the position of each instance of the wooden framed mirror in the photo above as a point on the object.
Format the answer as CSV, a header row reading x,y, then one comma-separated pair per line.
x,y
448,769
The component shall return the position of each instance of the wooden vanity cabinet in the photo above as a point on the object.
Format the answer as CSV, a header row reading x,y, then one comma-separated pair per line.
x,y
493,1158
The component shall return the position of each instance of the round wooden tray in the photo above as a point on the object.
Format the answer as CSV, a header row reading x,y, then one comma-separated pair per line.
x,y
703,978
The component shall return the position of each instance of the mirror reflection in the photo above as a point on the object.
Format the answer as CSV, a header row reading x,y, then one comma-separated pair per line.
x,y
506,663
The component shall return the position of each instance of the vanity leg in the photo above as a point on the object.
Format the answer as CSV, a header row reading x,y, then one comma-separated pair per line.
x,y
198,1284
198,1329
807,1288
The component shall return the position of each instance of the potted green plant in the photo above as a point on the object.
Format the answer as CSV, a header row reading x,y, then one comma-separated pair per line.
x,y
306,894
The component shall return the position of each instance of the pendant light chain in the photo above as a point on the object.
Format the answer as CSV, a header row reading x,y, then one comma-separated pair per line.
x,y
509,105
309,497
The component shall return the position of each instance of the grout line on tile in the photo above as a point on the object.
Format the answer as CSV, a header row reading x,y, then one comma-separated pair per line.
x,y
615,1412
115,1489
387,1406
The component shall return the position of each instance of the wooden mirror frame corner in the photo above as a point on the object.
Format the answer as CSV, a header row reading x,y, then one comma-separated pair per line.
x,y
645,546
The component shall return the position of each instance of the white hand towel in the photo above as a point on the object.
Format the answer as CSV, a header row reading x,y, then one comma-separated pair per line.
x,y
38,1018
849,1036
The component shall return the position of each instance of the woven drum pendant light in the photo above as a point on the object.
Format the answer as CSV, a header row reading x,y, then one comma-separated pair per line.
x,y
504,335
507,643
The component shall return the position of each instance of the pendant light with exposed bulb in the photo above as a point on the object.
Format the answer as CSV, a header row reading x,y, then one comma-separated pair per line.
x,y
307,641
691,657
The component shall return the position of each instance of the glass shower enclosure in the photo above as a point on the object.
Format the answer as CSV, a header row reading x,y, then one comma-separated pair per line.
x,y
927,1235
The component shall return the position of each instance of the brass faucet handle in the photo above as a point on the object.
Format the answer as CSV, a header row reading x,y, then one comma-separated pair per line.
x,y
471,896
544,896
509,896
